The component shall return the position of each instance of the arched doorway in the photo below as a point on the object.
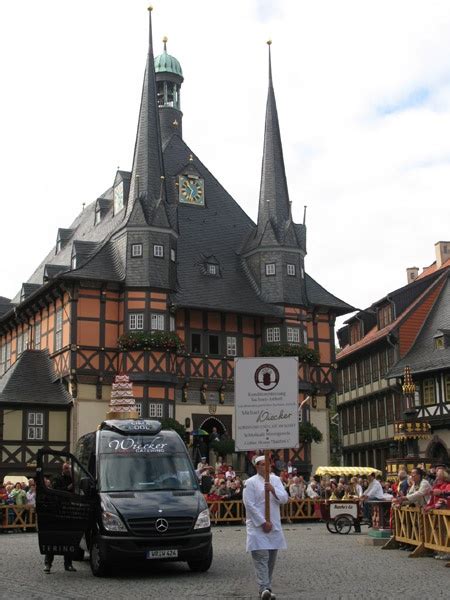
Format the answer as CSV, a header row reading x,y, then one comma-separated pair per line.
x,y
437,452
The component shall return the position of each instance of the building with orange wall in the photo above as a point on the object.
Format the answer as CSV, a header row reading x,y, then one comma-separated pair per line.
x,y
166,278
408,327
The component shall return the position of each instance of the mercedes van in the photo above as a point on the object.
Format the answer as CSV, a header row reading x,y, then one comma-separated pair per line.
x,y
134,496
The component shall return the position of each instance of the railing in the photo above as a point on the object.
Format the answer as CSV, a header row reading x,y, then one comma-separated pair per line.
x,y
428,532
17,518
233,511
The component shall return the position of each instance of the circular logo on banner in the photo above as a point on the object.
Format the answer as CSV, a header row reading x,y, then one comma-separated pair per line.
x,y
267,377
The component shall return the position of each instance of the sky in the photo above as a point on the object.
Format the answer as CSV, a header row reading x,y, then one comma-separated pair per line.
x,y
363,95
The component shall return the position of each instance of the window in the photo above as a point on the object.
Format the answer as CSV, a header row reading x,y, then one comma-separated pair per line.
x,y
367,370
381,412
139,408
118,198
158,250
360,370
355,332
171,323
346,382
58,246
358,417
344,420
231,346
73,262
156,410
447,388
352,376
351,419
196,343
302,270
305,337
58,329
428,392
170,411
375,370
270,269
22,342
213,344
365,412
273,334
98,215
293,335
373,412
385,315
37,336
173,255
383,368
35,426
157,321
211,269
291,270
136,250
389,409
136,321
439,342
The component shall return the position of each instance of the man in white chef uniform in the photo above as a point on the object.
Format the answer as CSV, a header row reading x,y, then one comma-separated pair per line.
x,y
264,538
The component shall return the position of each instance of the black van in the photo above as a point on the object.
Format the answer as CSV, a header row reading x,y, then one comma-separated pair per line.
x,y
133,496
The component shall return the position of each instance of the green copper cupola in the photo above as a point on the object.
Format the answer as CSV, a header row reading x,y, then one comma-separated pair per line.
x,y
169,77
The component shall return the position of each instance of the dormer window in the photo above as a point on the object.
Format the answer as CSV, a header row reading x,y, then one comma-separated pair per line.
x,y
211,269
291,270
98,214
73,262
118,198
442,339
355,332
270,269
58,246
384,315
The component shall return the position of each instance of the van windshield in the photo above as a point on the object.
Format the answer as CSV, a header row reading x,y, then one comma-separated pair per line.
x,y
144,472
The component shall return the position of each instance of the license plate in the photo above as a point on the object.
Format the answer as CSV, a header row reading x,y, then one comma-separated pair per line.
x,y
162,554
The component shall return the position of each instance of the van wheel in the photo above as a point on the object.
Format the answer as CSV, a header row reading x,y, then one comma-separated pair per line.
x,y
202,565
99,565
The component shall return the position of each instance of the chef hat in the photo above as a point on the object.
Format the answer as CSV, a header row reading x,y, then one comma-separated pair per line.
x,y
258,459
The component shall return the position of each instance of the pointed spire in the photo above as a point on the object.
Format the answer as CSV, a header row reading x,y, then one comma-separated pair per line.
x,y
273,197
148,170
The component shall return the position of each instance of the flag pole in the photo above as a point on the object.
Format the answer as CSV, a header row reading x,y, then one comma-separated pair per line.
x,y
267,479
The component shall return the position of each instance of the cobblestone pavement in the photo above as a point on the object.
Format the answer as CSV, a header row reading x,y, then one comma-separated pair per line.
x,y
318,565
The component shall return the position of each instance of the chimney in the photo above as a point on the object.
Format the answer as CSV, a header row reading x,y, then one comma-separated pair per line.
x,y
442,253
411,274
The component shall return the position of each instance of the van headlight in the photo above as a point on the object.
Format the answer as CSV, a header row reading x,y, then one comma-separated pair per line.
x,y
203,520
112,522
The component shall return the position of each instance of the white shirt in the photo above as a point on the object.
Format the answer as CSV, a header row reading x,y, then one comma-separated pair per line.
x,y
253,498
311,492
374,491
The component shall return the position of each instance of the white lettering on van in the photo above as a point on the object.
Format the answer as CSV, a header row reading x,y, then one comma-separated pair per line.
x,y
128,444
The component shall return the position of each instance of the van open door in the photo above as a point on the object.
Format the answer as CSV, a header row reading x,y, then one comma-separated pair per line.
x,y
64,504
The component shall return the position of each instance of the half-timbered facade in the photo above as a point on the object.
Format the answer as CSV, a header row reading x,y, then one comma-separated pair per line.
x,y
408,327
166,278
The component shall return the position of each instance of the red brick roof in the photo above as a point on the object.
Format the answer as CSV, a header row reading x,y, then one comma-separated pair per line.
x,y
376,334
432,269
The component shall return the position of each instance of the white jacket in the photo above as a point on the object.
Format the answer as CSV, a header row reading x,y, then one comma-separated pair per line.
x,y
253,498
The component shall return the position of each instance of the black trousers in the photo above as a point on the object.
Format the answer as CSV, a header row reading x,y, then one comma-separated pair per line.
x,y
48,560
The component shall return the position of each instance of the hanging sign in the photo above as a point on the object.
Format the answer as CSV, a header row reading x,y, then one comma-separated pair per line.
x,y
266,403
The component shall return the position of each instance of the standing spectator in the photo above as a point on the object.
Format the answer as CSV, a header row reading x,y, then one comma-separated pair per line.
x,y
264,538
230,473
214,435
18,495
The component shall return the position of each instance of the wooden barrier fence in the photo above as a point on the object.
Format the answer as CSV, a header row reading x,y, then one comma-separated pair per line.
x,y
233,511
428,532
17,518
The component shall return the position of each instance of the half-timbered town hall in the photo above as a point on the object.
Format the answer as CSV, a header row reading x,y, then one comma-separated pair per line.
x,y
163,277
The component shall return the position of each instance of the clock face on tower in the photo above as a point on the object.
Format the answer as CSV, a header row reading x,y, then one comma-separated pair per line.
x,y
191,190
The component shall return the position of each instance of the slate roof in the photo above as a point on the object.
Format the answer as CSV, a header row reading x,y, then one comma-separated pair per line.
x,y
424,356
219,229
31,380
5,305
375,334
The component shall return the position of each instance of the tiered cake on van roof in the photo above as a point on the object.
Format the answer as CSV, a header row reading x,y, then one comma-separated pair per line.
x,y
122,405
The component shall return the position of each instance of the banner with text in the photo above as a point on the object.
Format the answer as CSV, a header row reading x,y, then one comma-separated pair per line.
x,y
266,403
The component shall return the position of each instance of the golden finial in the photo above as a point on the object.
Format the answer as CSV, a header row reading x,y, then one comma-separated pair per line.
x,y
269,42
408,385
162,177
191,158
150,8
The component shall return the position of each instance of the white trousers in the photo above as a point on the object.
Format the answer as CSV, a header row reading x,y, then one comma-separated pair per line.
x,y
264,563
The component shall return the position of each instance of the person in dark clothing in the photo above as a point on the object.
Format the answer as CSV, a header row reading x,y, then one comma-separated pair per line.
x,y
61,482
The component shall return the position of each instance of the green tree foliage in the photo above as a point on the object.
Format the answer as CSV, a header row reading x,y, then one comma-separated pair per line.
x,y
308,433
175,425
305,354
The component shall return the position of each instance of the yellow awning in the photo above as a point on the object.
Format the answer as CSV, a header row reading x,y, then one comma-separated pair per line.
x,y
346,471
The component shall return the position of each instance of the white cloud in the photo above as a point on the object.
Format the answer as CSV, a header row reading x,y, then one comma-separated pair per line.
x,y
376,185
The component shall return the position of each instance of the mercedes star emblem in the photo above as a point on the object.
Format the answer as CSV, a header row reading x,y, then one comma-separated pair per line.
x,y
161,525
